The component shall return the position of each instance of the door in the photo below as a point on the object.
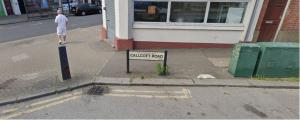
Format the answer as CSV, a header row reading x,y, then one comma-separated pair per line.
x,y
8,7
271,20
110,20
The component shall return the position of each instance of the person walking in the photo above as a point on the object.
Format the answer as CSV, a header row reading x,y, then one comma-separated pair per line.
x,y
61,29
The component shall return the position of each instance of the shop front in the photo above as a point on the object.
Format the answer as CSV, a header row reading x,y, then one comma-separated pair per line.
x,y
141,24
41,8
29,8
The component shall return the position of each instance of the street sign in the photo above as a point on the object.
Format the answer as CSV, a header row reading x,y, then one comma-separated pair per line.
x,y
147,55
155,56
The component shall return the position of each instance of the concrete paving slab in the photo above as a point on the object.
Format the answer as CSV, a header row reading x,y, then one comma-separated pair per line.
x,y
196,82
163,81
182,63
107,80
272,83
224,82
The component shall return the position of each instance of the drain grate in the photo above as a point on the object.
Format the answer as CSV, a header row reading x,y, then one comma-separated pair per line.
x,y
97,90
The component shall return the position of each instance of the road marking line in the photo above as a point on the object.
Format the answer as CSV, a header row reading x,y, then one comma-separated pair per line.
x,y
43,103
141,91
145,96
54,99
185,94
38,108
9,110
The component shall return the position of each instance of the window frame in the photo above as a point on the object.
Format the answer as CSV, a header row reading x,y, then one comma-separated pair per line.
x,y
185,25
168,12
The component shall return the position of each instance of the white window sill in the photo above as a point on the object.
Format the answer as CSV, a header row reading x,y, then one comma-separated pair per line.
x,y
188,26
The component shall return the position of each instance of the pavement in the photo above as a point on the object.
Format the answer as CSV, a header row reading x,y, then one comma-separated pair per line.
x,y
30,67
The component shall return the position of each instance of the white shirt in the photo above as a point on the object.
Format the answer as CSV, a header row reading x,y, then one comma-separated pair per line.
x,y
61,21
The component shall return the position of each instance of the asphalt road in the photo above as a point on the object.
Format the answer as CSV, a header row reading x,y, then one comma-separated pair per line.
x,y
163,102
18,31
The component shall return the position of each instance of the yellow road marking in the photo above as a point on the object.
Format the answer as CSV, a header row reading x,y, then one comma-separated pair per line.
x,y
141,91
54,99
187,93
9,110
145,96
38,108
40,105
61,99
130,93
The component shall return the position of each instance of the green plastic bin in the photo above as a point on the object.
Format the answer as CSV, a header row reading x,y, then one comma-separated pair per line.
x,y
243,59
278,59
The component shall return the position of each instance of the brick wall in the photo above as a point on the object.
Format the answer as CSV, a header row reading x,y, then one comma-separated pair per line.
x,y
291,21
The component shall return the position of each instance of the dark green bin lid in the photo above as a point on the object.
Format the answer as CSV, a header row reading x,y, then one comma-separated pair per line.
x,y
278,44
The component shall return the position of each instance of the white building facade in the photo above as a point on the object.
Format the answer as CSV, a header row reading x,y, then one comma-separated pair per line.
x,y
143,24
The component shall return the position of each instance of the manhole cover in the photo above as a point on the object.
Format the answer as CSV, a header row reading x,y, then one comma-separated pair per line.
x,y
97,90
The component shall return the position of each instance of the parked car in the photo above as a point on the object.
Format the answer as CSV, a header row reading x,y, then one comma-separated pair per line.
x,y
85,9
66,5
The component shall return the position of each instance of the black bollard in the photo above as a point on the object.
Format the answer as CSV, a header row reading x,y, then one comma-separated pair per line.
x,y
64,64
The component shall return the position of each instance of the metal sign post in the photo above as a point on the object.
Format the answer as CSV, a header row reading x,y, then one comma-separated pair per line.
x,y
64,64
146,55
127,61
165,62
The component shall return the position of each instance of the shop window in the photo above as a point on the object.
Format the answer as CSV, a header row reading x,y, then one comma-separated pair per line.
x,y
145,11
226,12
192,12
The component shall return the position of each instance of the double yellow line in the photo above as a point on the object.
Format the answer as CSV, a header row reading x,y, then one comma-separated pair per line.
x,y
183,94
14,112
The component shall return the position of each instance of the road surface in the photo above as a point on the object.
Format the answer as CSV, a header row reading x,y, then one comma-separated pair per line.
x,y
162,103
12,32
